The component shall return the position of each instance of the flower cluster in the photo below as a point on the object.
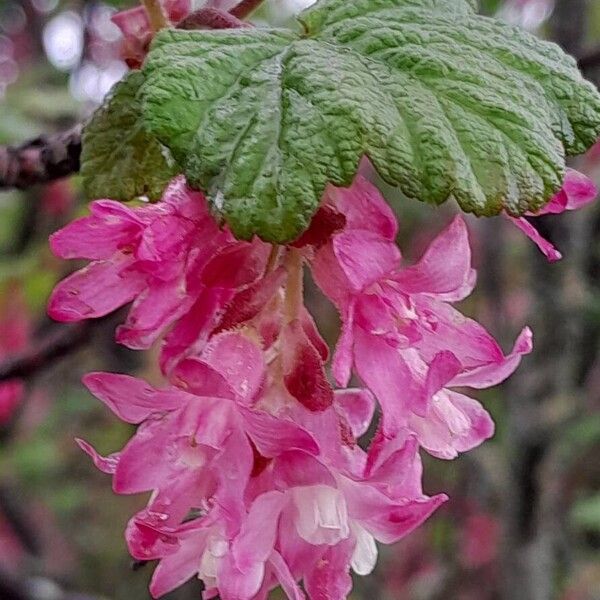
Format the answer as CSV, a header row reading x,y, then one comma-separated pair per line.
x,y
251,455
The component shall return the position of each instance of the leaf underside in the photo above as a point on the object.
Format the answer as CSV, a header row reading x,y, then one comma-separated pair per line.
x,y
445,103
120,159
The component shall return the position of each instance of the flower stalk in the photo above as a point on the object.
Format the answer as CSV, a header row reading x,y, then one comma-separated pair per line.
x,y
157,17
294,288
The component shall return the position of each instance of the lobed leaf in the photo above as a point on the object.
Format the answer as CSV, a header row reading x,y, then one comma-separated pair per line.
x,y
120,159
444,102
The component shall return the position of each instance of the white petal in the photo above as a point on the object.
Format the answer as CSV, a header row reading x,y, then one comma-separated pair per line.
x,y
364,557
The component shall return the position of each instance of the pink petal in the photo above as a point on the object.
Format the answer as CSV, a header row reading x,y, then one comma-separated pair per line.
x,y
95,290
394,465
133,22
357,406
365,208
296,469
239,360
237,585
148,541
577,191
455,424
164,244
256,539
201,379
445,268
344,350
493,373
330,277
385,373
443,328
106,464
330,578
394,523
191,331
547,249
149,447
481,424
443,368
152,311
388,520
273,436
111,227
132,399
365,257
176,568
232,468
285,577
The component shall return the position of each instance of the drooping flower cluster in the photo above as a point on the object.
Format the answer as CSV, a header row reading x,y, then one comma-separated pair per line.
x,y
251,455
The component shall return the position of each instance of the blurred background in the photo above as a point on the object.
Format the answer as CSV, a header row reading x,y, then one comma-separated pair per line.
x,y
523,522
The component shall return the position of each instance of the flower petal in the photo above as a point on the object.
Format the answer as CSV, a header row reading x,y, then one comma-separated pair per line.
x,y
445,268
95,290
547,249
106,464
132,399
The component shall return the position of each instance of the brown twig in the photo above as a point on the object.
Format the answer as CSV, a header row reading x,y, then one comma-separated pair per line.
x,y
589,61
47,158
40,160
156,15
60,343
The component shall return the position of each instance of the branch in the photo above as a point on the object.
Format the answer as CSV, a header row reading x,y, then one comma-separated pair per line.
x,y
44,354
47,158
156,15
590,61
40,160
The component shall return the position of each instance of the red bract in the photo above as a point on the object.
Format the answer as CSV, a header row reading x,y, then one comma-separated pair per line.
x,y
137,32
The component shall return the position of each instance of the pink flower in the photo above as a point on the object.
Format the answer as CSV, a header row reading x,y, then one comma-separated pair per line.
x,y
198,440
400,332
168,258
577,191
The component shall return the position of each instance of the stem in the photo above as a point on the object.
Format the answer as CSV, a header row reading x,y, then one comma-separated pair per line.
x,y
272,260
294,286
244,8
60,343
156,15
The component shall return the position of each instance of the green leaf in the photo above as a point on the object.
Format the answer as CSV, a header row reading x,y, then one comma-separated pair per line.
x,y
444,102
120,159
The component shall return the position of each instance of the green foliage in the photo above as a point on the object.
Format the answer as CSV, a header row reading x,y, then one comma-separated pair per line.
x,y
444,102
119,158
586,513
